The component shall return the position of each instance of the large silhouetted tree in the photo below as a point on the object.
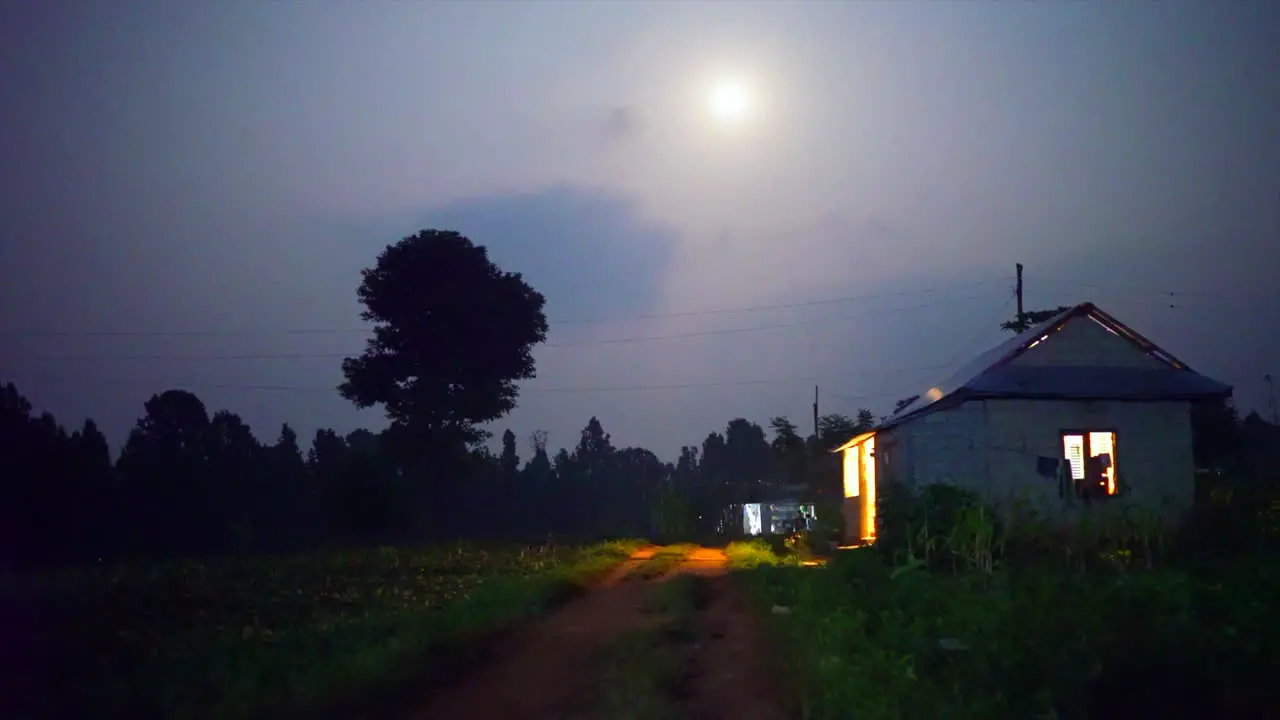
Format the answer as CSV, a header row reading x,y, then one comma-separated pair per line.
x,y
166,470
789,450
453,333
509,460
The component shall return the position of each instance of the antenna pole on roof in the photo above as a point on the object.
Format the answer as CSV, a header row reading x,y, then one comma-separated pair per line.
x,y
1019,290
1275,415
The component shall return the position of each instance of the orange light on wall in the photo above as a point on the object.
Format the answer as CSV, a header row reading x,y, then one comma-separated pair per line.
x,y
851,472
868,464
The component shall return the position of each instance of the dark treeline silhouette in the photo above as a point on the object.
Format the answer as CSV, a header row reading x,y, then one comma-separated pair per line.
x,y
452,336
190,483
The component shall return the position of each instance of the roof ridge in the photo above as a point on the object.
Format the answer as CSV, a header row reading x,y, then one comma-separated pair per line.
x,y
1009,350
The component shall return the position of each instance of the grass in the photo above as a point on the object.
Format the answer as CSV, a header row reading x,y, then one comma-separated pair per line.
x,y
663,561
643,671
288,636
963,624
751,554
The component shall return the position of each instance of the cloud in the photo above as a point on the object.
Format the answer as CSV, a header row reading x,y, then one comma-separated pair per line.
x,y
588,251
623,123
594,257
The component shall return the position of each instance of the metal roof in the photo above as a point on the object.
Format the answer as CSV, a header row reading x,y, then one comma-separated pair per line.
x,y
990,375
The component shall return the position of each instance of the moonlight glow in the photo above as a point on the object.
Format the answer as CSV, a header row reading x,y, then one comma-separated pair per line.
x,y
730,101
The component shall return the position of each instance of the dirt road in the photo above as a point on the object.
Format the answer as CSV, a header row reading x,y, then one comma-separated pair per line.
x,y
547,670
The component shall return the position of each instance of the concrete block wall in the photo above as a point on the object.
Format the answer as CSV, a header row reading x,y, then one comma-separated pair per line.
x,y
1153,453
947,446
851,510
993,446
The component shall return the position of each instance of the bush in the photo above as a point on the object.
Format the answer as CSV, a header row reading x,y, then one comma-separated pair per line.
x,y
954,614
748,554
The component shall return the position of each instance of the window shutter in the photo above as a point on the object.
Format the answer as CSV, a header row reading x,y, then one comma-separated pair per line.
x,y
1073,450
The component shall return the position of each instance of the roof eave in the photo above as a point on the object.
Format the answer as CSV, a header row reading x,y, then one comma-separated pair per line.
x,y
1152,397
857,440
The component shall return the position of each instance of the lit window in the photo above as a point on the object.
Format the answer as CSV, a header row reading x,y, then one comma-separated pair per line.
x,y
1091,455
752,520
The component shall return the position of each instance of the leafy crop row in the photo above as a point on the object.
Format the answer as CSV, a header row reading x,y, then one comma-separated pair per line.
x,y
957,617
239,637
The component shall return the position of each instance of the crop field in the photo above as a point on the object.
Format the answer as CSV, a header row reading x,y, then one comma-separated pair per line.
x,y
240,638
966,620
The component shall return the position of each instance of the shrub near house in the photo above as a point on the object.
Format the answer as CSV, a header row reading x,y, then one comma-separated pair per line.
x,y
952,614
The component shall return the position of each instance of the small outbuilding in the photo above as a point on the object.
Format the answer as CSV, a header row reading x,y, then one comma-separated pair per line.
x,y
1078,411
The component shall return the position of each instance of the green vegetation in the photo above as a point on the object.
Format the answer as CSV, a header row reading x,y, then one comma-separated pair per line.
x,y
290,634
643,670
955,615
750,554
665,560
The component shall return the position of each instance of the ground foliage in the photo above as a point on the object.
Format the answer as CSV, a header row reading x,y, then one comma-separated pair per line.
x,y
238,637
968,619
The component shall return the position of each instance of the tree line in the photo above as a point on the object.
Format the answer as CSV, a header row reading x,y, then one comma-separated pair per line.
x,y
190,483
452,336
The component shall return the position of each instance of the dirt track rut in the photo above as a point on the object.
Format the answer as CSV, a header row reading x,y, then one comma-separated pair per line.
x,y
546,670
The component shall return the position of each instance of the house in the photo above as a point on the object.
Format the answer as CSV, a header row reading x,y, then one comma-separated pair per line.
x,y
1078,411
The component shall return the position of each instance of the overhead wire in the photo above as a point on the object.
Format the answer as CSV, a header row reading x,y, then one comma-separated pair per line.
x,y
523,389
582,343
962,351
1173,299
276,387
553,323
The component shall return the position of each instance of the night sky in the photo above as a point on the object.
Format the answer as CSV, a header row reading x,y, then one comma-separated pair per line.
x,y
191,189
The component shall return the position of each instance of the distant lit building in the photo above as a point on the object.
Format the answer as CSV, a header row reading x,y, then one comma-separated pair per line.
x,y
1063,417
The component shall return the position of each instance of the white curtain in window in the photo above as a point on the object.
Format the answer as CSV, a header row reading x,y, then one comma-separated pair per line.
x,y
1073,451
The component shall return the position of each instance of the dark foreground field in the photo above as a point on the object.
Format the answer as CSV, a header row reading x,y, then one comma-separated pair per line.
x,y
271,636
961,629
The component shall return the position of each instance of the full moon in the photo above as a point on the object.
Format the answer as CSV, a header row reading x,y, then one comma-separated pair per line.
x,y
730,101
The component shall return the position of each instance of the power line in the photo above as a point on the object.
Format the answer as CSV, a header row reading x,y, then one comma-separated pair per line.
x,y
323,388
523,390
964,350
583,343
554,323
961,353
1168,298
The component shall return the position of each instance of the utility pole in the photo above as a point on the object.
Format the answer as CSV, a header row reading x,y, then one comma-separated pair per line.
x,y
1019,291
815,411
1275,415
